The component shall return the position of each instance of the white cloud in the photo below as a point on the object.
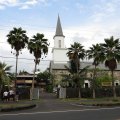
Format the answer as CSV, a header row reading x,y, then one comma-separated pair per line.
x,y
2,7
86,35
104,10
31,2
22,5
8,2
25,7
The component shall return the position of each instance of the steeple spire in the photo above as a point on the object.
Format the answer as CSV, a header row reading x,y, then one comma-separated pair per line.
x,y
59,31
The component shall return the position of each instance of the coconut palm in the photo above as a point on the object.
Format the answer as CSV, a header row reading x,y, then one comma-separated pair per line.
x,y
38,45
17,38
95,53
76,53
111,49
4,74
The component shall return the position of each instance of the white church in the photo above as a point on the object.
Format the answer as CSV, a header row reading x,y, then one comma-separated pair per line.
x,y
59,50
60,59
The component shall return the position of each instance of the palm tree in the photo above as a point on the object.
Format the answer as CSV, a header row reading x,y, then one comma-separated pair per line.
x,y
76,53
17,38
4,74
95,53
38,45
111,49
74,77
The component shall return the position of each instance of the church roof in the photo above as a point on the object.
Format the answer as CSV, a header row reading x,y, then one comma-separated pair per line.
x,y
59,31
58,66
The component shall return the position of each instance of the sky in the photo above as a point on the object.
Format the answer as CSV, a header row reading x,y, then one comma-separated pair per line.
x,y
85,21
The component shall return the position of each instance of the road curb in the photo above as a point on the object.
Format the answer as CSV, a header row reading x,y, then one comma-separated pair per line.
x,y
18,108
102,104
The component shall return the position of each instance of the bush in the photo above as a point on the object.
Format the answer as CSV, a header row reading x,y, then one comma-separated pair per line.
x,y
49,88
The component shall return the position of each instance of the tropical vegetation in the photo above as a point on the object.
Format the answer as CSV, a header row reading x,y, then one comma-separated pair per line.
x,y
107,53
38,45
18,39
5,75
95,52
76,53
111,50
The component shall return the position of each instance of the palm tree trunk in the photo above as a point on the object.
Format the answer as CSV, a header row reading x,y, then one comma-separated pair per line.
x,y
113,85
79,90
77,66
17,53
33,81
93,82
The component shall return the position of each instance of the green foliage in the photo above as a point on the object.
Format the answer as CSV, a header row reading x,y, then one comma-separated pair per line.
x,y
75,53
49,88
5,74
45,76
111,49
38,45
23,72
95,52
102,78
17,38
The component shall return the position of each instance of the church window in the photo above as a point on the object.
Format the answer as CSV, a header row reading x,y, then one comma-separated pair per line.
x,y
59,43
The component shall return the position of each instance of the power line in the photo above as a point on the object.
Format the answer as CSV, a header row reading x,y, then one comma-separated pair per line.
x,y
8,44
21,58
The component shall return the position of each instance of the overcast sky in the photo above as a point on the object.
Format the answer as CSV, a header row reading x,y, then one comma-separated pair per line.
x,y
84,21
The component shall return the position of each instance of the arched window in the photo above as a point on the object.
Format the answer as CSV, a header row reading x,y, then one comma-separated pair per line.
x,y
59,43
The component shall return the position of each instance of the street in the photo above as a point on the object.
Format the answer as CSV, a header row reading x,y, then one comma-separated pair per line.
x,y
86,114
51,108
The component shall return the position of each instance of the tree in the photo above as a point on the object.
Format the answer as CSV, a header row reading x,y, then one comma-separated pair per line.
x,y
76,53
111,49
17,38
4,74
44,76
95,53
74,78
23,72
105,78
38,45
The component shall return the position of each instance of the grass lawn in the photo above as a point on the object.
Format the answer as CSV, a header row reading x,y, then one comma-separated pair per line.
x,y
20,103
96,102
12,105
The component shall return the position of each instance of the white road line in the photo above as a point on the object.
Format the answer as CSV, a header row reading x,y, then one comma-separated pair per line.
x,y
33,113
81,105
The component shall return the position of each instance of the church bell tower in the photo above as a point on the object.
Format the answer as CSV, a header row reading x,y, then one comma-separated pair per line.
x,y
59,50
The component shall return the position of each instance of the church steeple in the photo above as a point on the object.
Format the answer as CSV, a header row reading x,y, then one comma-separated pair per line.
x,y
59,31
59,50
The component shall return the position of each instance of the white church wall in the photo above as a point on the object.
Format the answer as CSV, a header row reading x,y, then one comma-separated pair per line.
x,y
59,56
56,42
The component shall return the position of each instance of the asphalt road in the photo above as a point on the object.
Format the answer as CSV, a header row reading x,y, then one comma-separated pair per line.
x,y
93,114
52,109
